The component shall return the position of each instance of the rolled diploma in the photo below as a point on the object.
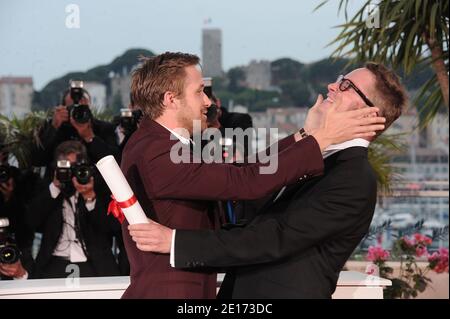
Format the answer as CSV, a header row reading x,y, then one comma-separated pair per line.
x,y
120,189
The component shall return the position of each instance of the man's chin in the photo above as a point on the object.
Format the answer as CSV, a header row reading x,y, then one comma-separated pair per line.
x,y
325,105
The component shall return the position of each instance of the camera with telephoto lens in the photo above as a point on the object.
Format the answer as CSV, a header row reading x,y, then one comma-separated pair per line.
x,y
79,112
5,173
81,170
212,112
9,252
129,119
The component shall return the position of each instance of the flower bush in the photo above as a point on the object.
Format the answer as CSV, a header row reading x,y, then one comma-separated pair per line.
x,y
412,279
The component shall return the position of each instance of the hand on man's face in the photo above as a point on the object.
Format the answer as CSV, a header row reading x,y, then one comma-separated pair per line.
x,y
345,103
315,114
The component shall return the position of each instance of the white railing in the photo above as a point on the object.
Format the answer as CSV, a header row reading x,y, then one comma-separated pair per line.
x,y
351,285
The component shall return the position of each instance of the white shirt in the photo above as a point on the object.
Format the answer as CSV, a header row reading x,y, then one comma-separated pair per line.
x,y
119,135
327,152
68,245
182,139
333,148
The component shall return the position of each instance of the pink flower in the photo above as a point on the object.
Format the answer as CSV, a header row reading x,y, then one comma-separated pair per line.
x,y
377,253
439,261
409,243
421,250
422,239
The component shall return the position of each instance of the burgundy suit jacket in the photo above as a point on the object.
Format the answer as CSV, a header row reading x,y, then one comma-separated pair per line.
x,y
182,196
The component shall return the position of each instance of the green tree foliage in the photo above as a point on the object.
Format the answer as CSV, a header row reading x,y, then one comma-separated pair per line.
x,y
410,34
51,94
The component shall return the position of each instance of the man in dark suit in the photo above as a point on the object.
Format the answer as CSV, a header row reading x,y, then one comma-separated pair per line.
x,y
304,234
169,90
70,212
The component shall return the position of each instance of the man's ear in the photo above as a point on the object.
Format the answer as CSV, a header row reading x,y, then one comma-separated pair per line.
x,y
169,100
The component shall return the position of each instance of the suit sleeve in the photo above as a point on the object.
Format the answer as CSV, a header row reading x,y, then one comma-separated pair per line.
x,y
42,152
215,181
104,142
282,144
41,206
305,224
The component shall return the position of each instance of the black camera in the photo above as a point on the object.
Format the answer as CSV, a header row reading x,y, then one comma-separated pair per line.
x,y
212,112
79,112
5,173
81,170
129,120
9,252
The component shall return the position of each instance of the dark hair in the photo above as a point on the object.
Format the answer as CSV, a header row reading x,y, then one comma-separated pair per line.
x,y
389,95
69,147
156,76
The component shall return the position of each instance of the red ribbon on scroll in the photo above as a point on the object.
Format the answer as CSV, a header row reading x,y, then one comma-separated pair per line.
x,y
115,207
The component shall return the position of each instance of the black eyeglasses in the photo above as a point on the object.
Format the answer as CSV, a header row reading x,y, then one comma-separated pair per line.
x,y
345,84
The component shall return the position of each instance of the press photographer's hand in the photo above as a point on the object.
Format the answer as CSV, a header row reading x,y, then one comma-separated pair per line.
x,y
15,270
60,116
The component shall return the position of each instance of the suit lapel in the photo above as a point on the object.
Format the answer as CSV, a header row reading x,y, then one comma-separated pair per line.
x,y
297,189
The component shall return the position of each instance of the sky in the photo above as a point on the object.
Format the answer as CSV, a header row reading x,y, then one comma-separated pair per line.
x,y
35,40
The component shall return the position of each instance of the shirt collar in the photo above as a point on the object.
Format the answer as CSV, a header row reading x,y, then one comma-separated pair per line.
x,y
182,139
341,146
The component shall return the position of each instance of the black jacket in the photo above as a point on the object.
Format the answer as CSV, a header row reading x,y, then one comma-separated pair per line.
x,y
96,228
15,210
297,246
104,142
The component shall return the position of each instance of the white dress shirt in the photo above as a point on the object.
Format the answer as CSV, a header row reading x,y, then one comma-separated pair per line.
x,y
68,245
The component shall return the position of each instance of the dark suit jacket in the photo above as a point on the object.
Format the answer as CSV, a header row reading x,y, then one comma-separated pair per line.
x,y
96,227
182,196
103,144
298,245
15,210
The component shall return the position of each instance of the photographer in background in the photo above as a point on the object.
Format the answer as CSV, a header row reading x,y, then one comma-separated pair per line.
x,y
71,214
126,123
231,212
16,238
73,120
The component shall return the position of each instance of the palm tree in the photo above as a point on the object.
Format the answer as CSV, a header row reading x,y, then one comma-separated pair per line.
x,y
411,34
19,136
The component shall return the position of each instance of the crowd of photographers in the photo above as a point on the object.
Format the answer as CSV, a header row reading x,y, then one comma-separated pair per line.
x,y
66,203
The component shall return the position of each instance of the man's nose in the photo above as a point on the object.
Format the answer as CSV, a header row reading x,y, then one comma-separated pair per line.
x,y
333,87
206,100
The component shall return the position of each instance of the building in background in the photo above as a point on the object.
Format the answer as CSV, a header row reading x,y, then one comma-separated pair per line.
x,y
258,75
16,95
212,52
120,84
97,91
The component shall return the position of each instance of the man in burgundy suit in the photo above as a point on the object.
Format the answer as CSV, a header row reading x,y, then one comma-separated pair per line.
x,y
169,90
